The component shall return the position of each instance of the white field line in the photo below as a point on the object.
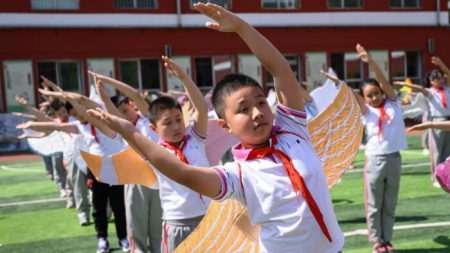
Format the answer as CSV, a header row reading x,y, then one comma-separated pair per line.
x,y
32,202
9,168
401,227
403,167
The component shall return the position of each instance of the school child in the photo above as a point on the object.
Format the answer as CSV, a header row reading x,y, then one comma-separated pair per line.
x,y
142,204
438,98
99,143
183,209
277,174
383,120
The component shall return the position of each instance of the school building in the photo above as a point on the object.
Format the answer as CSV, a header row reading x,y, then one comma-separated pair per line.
x,y
124,39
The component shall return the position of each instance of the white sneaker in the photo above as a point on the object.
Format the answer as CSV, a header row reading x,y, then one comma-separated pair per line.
x,y
436,184
425,151
63,193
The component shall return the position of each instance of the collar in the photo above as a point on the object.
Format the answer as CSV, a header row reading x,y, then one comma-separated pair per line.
x,y
186,137
240,153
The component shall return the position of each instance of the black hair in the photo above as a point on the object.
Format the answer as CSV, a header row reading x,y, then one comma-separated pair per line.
x,y
68,106
367,82
228,85
56,104
161,104
119,99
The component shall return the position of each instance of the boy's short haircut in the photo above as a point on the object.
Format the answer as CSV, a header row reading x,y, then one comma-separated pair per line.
x,y
117,100
436,74
56,104
161,104
68,106
228,85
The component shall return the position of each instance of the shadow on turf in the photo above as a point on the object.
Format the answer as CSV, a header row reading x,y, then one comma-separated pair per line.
x,y
342,201
397,219
442,240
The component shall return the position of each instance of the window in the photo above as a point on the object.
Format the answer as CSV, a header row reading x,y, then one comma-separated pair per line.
x,y
224,3
344,3
280,4
406,65
295,66
67,74
136,4
348,67
142,74
210,70
405,3
55,4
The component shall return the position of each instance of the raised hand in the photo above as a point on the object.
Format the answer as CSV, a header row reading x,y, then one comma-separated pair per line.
x,y
174,68
362,53
436,61
21,100
50,84
333,78
99,87
225,21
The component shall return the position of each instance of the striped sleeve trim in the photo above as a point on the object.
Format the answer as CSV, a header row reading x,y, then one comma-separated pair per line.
x,y
223,182
197,134
292,112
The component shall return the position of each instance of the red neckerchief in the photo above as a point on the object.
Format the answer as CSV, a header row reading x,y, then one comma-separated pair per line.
x,y
441,91
297,182
382,117
178,150
94,133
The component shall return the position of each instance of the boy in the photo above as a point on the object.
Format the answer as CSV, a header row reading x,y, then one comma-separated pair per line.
x,y
142,204
273,167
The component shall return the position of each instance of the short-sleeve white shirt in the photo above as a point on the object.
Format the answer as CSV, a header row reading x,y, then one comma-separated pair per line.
x,y
287,223
393,136
434,99
177,201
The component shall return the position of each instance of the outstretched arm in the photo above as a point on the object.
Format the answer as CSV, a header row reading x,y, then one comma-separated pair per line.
x,y
48,127
337,81
25,116
194,94
50,84
83,100
286,85
40,116
441,65
106,98
82,112
127,90
415,87
442,125
200,179
384,83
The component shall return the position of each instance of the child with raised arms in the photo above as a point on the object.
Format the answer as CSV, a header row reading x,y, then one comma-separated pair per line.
x,y
277,175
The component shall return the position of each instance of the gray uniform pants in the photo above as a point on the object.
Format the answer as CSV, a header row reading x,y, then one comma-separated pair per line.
x,y
382,183
439,146
143,213
59,173
80,190
175,231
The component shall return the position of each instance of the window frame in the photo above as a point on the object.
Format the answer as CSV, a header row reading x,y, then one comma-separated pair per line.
x,y
139,73
54,6
81,88
405,66
342,5
351,81
419,6
278,6
299,70
192,2
213,73
135,6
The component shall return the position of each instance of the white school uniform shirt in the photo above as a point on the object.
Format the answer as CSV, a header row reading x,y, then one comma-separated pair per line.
x,y
311,109
393,137
104,145
177,201
287,223
142,124
435,102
